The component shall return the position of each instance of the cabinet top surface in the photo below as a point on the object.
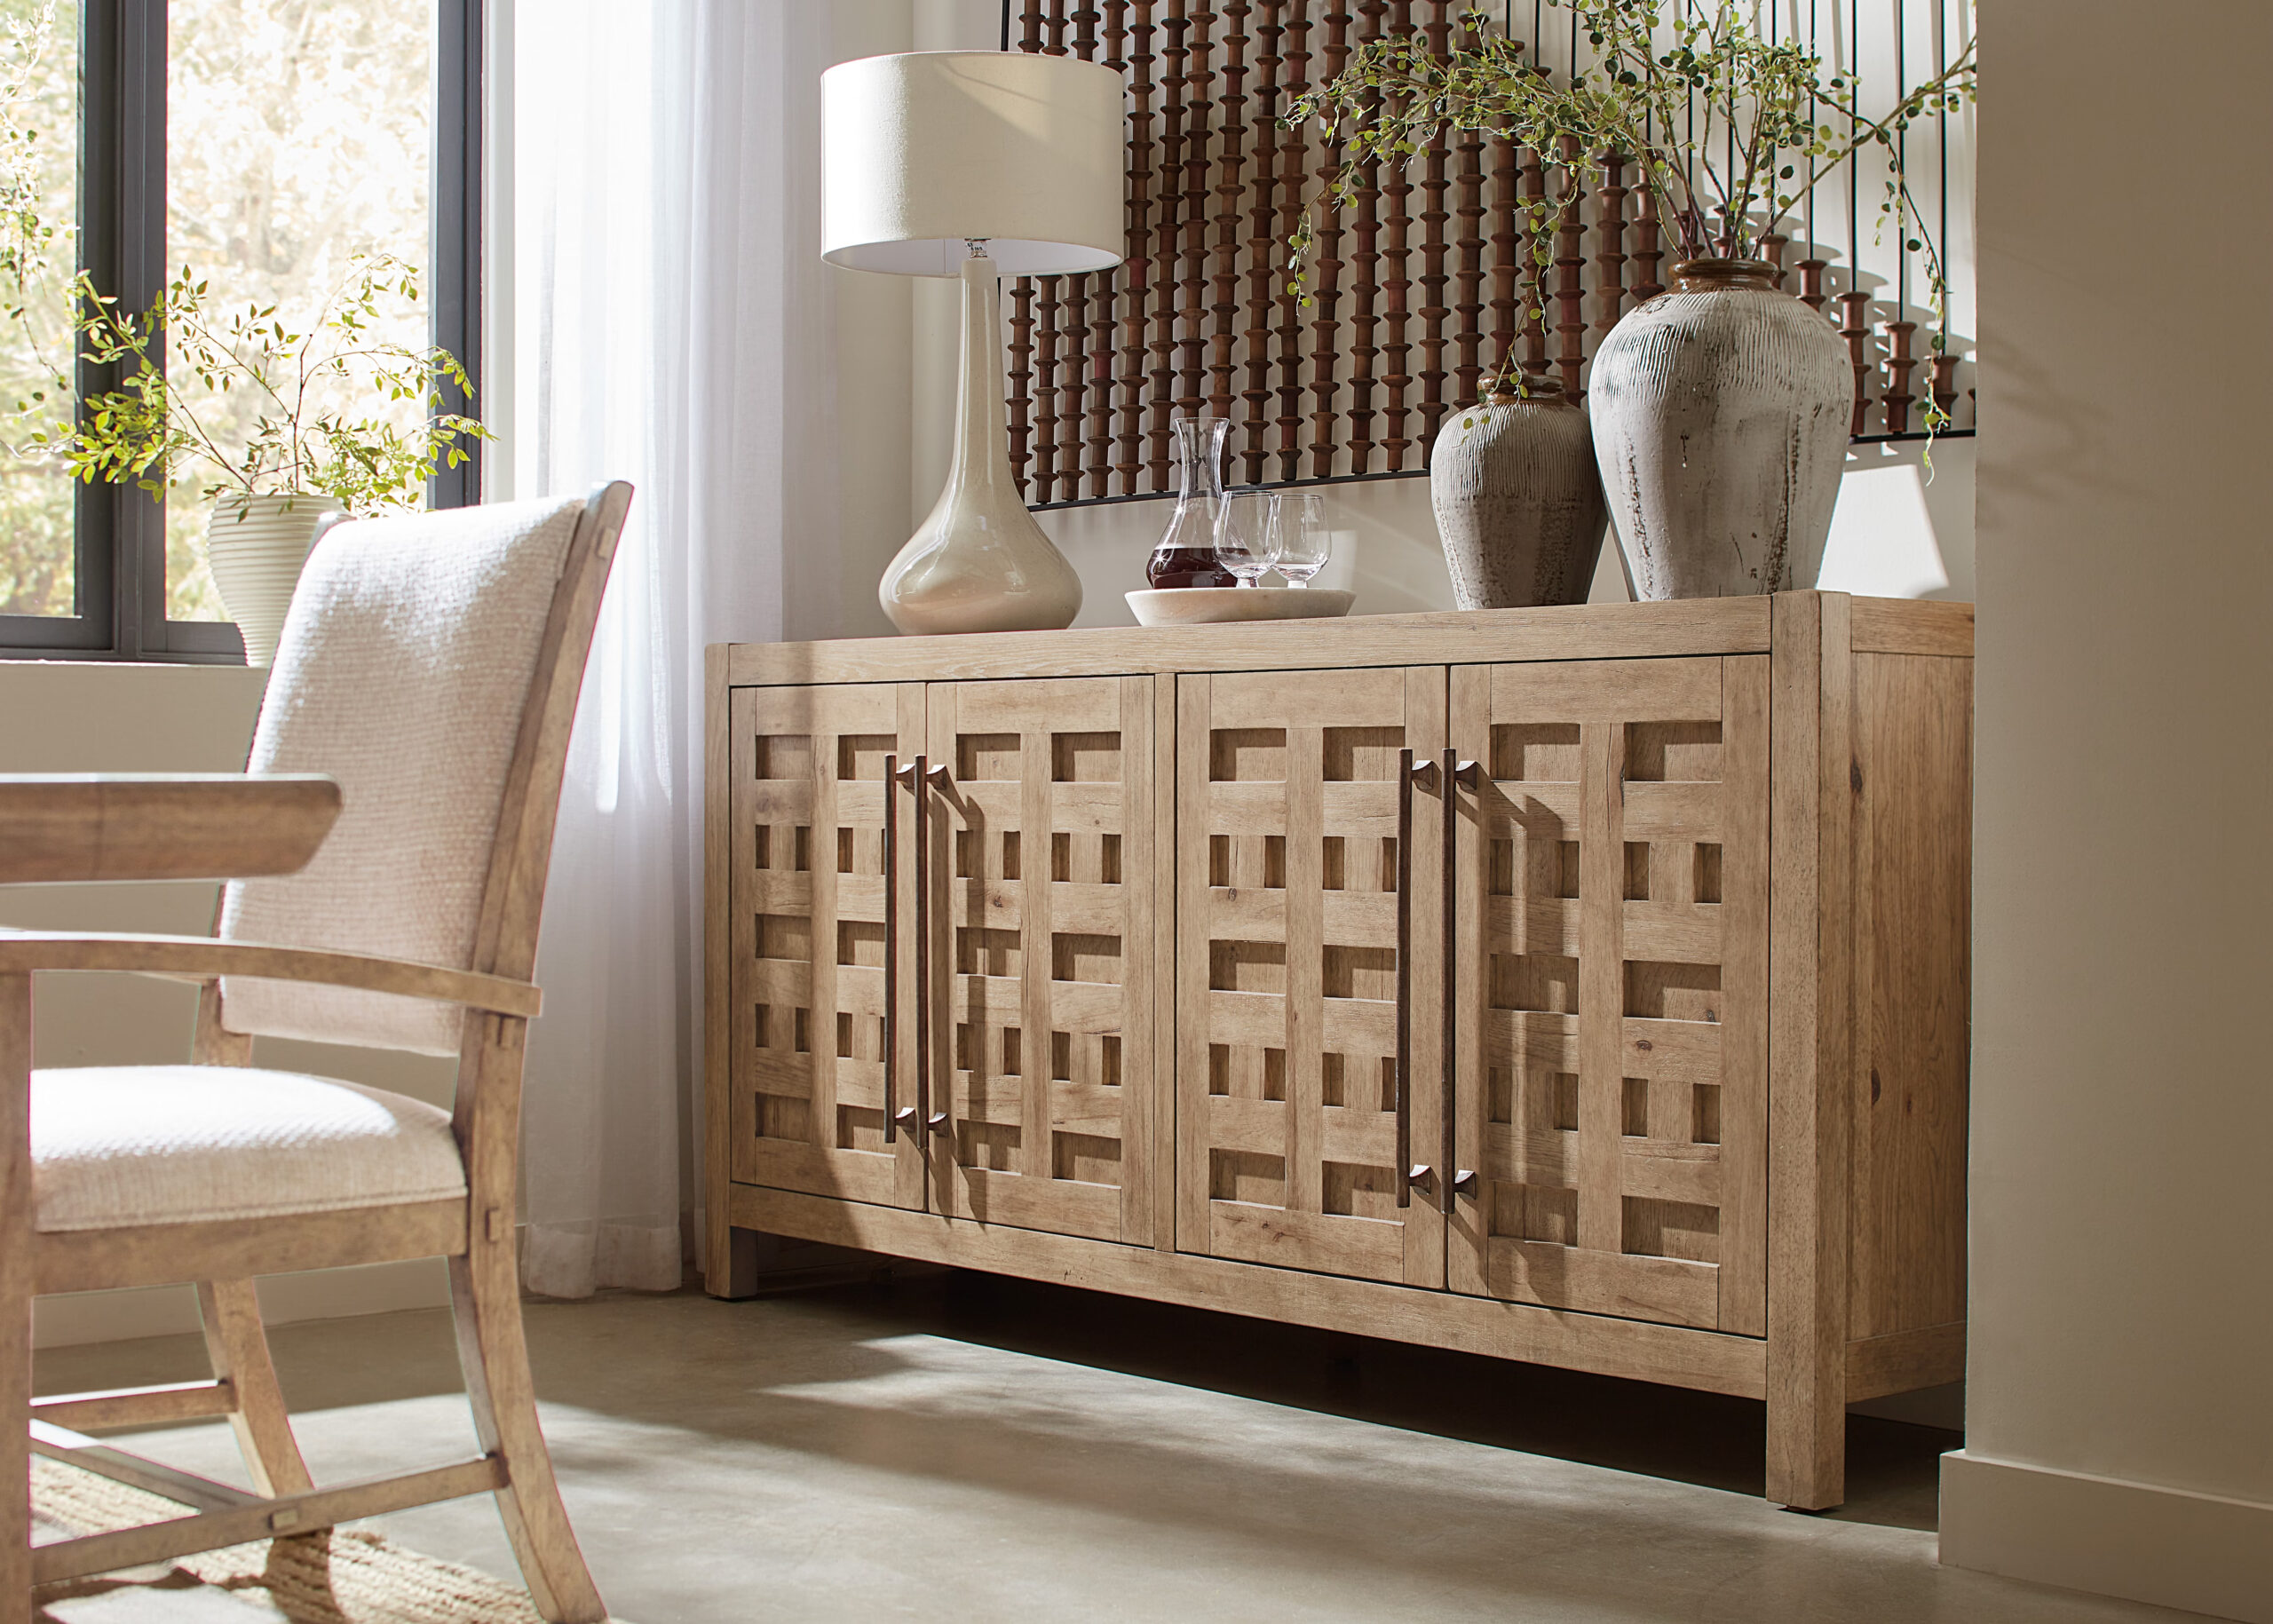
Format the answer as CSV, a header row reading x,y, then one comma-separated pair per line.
x,y
1584,631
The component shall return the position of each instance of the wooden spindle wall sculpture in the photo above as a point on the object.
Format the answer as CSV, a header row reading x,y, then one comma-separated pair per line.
x,y
1365,317
1224,209
1293,167
1133,366
1467,305
1570,274
1396,183
1535,184
1257,400
1506,241
1199,115
1326,437
1649,246
1417,294
1160,348
1610,259
1101,366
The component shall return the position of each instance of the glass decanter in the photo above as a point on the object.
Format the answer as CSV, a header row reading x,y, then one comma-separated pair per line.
x,y
1186,553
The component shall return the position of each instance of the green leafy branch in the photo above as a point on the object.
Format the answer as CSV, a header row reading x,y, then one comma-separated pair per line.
x,y
148,428
1767,107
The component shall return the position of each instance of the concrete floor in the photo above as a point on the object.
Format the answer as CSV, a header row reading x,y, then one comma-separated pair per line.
x,y
958,1447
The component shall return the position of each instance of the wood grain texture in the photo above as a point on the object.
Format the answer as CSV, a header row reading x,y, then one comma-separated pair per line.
x,y
18,1286
237,1349
164,1253
1287,991
1584,631
1748,989
198,958
1809,1047
1903,1361
1167,987
1910,789
720,1278
1703,1360
165,1404
1041,826
807,786
82,827
1908,626
1614,1105
103,1553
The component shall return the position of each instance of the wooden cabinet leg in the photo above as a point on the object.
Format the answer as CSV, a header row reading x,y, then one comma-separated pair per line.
x,y
754,1260
1807,1433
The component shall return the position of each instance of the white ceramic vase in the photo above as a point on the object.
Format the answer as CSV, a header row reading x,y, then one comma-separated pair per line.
x,y
254,547
980,562
1517,503
1721,412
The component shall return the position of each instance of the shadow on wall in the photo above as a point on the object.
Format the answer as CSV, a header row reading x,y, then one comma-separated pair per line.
x,y
1896,533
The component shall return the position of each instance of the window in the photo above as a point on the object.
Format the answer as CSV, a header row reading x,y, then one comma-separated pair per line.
x,y
262,143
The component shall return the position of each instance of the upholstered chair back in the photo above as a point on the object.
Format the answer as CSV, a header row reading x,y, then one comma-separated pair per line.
x,y
416,666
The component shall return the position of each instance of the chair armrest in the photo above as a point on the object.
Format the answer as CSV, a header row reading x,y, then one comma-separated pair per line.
x,y
201,958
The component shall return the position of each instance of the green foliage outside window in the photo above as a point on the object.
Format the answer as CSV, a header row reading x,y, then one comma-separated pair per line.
x,y
296,183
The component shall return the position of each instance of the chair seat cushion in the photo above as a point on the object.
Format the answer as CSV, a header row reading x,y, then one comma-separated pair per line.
x,y
116,1145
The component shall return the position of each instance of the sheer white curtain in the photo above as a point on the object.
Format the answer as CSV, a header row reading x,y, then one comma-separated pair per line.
x,y
671,327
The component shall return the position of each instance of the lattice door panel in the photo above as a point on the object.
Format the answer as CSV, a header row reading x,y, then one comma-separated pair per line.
x,y
1041,858
813,1030
1288,790
1613,985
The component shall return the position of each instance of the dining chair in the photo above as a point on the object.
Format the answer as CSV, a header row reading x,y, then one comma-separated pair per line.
x,y
431,664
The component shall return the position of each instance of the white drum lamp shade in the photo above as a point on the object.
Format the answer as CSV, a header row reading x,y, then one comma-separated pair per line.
x,y
974,164
926,151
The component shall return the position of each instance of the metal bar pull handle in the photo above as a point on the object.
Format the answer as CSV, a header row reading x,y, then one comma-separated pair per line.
x,y
913,778
1458,775
891,948
1411,1174
932,778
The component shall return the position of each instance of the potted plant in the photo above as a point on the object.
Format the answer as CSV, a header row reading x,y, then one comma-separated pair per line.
x,y
1720,410
340,421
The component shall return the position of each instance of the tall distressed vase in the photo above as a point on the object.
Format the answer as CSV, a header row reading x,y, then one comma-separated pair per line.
x,y
1721,412
254,547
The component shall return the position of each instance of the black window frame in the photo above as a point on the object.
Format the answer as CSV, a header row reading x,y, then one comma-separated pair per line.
x,y
119,531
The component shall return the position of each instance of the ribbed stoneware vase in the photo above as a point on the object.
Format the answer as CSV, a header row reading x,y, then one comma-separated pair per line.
x,y
1720,413
254,547
1518,505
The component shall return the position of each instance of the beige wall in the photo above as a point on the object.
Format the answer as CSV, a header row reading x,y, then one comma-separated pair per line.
x,y
2120,1425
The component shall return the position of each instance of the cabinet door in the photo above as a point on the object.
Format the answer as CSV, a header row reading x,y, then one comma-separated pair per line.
x,y
1612,988
1040,1022
811,1073
1288,786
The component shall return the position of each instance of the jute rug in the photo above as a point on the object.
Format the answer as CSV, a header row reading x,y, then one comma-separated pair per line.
x,y
338,1576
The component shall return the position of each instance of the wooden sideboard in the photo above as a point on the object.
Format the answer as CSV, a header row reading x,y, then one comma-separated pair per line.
x,y
1582,985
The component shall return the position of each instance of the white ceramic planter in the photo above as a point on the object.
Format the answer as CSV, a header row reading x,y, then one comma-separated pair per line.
x,y
255,547
1517,502
1721,415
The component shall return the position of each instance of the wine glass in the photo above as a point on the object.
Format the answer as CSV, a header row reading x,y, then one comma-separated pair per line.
x,y
1248,534
1305,539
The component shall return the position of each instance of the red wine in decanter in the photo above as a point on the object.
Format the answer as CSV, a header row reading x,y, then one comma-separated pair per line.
x,y
1181,566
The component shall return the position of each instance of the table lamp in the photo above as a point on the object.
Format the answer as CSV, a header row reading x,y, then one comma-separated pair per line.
x,y
980,164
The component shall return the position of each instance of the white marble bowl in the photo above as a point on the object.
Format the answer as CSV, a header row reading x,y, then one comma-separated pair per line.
x,y
1203,605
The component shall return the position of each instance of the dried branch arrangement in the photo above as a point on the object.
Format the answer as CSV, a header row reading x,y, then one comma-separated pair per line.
x,y
1440,263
